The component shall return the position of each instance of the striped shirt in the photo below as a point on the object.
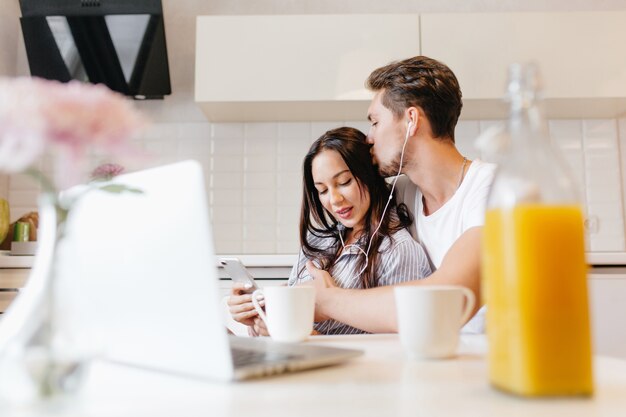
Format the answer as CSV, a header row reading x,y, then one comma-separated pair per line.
x,y
400,259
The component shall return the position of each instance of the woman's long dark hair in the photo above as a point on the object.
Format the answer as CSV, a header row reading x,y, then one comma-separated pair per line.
x,y
353,148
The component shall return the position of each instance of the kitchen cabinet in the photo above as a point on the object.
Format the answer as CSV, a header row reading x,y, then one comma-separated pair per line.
x,y
607,296
14,272
584,75
11,281
295,67
313,67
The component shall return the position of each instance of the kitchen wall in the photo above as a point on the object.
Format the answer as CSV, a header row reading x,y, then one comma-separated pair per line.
x,y
252,169
8,54
253,175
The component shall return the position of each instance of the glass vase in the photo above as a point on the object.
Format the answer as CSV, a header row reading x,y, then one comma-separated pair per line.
x,y
36,362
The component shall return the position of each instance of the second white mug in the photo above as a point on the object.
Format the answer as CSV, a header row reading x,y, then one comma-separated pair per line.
x,y
289,312
430,318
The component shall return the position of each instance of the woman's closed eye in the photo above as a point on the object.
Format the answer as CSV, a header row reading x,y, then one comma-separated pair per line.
x,y
346,182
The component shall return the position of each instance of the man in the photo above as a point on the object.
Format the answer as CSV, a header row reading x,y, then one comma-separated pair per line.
x,y
416,106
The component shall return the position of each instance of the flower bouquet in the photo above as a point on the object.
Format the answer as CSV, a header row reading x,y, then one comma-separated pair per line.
x,y
69,121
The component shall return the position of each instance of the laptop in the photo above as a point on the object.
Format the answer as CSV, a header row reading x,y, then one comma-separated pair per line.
x,y
139,284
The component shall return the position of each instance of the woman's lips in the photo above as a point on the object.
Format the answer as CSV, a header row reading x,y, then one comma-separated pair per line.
x,y
344,213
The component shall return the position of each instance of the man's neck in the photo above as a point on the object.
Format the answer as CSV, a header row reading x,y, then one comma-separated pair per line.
x,y
436,169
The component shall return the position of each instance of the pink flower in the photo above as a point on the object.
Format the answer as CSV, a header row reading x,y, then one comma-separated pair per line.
x,y
107,171
71,117
80,115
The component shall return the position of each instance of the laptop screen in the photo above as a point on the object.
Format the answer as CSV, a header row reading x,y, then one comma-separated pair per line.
x,y
139,282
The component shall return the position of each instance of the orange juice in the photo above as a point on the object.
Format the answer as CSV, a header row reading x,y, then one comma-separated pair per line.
x,y
536,291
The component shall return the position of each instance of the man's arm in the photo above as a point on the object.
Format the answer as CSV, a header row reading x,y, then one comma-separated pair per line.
x,y
373,310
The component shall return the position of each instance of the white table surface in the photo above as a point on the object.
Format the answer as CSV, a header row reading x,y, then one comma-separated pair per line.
x,y
380,383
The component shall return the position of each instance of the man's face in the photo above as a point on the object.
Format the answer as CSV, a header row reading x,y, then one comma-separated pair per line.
x,y
387,135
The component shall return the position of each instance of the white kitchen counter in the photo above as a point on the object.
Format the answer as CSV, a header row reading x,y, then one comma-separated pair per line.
x,y
607,291
600,269
26,261
382,382
15,261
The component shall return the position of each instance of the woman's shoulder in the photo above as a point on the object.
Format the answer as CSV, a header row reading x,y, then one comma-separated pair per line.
x,y
398,239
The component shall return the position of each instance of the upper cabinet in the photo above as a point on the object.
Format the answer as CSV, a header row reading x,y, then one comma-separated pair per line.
x,y
295,67
313,67
579,54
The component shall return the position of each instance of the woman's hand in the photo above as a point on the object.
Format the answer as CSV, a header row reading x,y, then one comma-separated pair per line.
x,y
323,282
259,328
240,305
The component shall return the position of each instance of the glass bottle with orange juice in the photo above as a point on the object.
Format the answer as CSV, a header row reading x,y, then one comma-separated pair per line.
x,y
533,261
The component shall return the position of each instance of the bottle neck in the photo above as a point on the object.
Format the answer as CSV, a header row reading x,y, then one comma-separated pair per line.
x,y
526,116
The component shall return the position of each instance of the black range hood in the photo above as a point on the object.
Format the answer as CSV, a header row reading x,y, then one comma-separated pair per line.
x,y
119,43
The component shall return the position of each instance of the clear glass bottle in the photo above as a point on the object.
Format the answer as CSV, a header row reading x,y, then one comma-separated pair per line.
x,y
533,262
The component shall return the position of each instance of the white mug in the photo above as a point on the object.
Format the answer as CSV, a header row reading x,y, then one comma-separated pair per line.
x,y
288,312
430,318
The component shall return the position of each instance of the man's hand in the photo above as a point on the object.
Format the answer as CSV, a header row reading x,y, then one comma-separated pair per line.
x,y
323,283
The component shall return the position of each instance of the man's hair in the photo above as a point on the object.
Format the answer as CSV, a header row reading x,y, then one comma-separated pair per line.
x,y
421,82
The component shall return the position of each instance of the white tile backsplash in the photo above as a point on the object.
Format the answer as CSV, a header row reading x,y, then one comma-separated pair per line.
x,y
189,147
226,146
259,231
263,247
254,184
226,163
465,136
293,133
259,131
227,214
263,180
226,197
228,180
290,165
224,232
259,214
259,163
227,130
288,231
260,146
259,197
567,134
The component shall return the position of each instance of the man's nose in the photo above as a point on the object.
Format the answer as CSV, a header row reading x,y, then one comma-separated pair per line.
x,y
370,138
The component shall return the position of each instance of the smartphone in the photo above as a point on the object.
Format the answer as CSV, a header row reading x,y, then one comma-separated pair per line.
x,y
238,273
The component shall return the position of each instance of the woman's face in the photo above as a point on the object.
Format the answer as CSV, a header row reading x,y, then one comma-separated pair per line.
x,y
339,191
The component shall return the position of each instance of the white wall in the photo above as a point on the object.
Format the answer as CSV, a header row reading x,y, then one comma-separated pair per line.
x,y
9,32
253,175
252,170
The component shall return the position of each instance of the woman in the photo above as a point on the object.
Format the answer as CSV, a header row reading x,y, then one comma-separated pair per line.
x,y
348,226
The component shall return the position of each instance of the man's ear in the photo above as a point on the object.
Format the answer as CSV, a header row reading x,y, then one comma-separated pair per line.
x,y
413,117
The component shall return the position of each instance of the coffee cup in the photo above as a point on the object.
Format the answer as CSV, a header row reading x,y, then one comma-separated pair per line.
x,y
288,311
430,318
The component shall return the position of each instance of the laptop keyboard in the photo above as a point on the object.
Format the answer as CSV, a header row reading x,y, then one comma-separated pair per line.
x,y
242,357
